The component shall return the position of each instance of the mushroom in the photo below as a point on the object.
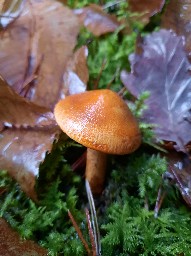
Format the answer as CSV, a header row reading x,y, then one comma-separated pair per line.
x,y
101,121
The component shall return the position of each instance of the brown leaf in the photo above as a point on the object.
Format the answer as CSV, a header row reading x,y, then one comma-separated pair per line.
x,y
163,69
12,245
145,9
35,49
9,11
76,75
27,132
17,111
96,20
177,17
22,151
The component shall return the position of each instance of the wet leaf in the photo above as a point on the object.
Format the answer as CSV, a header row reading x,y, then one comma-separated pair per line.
x,y
163,69
96,20
177,17
12,245
17,111
35,49
9,11
180,168
27,132
145,9
22,151
76,75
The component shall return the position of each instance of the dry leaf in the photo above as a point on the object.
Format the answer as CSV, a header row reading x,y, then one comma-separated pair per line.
x,y
163,69
96,20
12,245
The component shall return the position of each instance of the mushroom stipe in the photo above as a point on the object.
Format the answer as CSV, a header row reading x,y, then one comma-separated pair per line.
x,y
101,121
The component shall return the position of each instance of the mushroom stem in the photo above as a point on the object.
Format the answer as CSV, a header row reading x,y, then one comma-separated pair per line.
x,y
95,169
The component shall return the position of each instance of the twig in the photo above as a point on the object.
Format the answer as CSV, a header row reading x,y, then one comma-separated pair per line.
x,y
100,73
80,162
93,218
2,190
122,91
91,234
79,233
160,198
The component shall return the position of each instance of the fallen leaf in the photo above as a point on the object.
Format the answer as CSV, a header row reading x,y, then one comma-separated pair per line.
x,y
145,9
27,132
9,11
180,169
22,151
76,75
12,245
163,69
96,20
17,111
177,18
35,49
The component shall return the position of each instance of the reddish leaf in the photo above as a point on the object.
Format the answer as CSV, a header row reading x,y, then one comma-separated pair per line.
x,y
35,49
145,9
177,17
163,70
180,168
12,245
96,20
27,133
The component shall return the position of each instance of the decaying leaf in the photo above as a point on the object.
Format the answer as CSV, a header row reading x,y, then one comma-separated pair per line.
x,y
163,69
27,132
177,17
12,245
96,20
35,49
145,9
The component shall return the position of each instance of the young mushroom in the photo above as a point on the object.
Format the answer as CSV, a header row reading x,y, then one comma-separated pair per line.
x,y
101,121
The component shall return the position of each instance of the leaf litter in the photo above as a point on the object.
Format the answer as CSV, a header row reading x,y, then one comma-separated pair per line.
x,y
39,67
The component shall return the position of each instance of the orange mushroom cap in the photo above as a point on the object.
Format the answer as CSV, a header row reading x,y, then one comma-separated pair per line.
x,y
100,120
